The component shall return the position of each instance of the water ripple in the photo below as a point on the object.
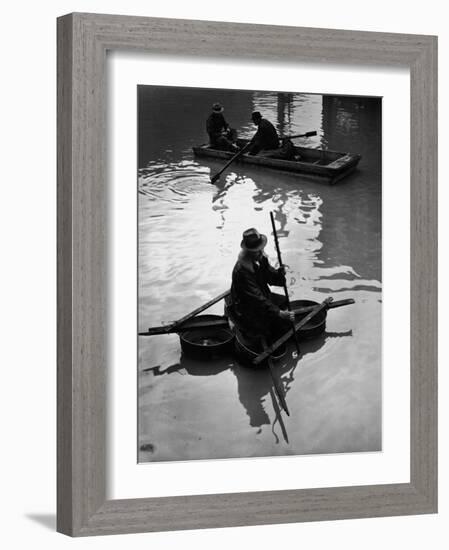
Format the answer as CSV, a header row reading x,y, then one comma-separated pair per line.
x,y
171,182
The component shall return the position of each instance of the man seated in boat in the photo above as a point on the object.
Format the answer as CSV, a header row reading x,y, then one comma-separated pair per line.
x,y
221,136
266,138
256,312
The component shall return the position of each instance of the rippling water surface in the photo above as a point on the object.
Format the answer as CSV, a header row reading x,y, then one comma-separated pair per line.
x,y
189,235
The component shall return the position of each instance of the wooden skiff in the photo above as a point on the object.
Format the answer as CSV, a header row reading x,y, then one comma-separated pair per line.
x,y
317,164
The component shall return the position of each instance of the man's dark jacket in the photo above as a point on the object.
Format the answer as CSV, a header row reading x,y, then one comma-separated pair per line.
x,y
252,308
215,124
266,137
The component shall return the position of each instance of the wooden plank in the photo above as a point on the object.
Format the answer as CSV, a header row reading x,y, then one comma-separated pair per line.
x,y
205,306
197,324
316,309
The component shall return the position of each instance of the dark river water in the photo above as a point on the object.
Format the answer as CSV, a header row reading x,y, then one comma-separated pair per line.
x,y
189,238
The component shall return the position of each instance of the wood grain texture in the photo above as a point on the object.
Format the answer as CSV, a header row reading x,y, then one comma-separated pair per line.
x,y
83,40
424,251
64,278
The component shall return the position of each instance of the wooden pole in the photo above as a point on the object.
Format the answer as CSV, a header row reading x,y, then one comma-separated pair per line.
x,y
223,322
233,159
281,265
288,334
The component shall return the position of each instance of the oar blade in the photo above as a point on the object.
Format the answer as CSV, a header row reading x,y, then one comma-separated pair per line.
x,y
153,331
215,178
233,159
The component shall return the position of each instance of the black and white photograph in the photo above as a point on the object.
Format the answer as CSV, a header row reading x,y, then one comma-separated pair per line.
x,y
259,273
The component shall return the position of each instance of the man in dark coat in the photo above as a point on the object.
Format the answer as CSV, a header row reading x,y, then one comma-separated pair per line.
x,y
266,137
221,136
253,307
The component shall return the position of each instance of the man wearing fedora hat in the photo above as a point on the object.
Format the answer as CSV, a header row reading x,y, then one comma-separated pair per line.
x,y
221,136
266,137
252,306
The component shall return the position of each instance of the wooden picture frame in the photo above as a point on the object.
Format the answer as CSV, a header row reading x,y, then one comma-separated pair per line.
x,y
83,40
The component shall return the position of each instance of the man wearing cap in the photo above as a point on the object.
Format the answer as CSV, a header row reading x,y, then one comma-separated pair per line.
x,y
252,306
266,137
220,134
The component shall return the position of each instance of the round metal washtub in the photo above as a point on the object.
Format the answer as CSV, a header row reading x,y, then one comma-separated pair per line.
x,y
247,350
315,326
205,343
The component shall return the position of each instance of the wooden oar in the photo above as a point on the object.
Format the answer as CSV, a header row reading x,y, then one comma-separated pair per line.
x,y
277,387
233,159
307,134
288,334
240,153
187,325
281,265
223,322
174,327
201,308
331,305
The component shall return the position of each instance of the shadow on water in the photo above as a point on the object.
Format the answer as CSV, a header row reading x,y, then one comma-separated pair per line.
x,y
253,384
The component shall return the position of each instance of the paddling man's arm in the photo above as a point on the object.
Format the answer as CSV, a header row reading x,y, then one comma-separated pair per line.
x,y
251,294
276,277
287,315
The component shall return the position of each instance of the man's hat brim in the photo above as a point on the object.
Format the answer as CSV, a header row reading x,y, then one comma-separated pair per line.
x,y
260,246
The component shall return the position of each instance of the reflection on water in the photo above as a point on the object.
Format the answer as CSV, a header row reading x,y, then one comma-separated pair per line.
x,y
189,235
253,385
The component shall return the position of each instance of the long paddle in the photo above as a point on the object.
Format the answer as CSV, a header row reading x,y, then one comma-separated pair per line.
x,y
233,159
283,339
201,308
279,390
186,325
240,153
281,265
223,322
307,134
